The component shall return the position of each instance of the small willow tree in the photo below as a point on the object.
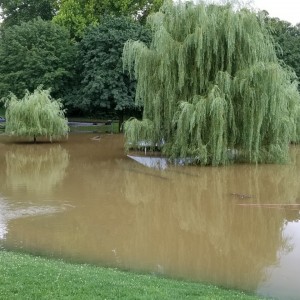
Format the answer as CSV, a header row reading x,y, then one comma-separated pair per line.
x,y
212,87
37,114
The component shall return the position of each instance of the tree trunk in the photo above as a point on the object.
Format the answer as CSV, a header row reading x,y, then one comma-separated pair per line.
x,y
121,119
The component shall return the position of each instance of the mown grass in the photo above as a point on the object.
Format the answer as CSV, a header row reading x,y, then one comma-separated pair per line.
x,y
27,277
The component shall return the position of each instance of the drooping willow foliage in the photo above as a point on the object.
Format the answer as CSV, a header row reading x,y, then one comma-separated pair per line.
x,y
212,87
37,114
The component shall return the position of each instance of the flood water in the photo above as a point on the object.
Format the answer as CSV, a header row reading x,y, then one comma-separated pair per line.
x,y
83,200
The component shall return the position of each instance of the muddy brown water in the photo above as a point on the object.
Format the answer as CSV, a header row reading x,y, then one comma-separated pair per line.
x,y
83,200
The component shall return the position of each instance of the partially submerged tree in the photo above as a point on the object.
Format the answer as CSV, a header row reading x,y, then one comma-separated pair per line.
x,y
37,114
212,87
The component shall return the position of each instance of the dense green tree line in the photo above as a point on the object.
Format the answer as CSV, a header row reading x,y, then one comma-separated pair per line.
x,y
102,82
34,53
75,48
13,12
76,15
287,40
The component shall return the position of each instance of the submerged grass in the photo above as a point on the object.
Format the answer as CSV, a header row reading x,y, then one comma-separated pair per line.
x,y
28,277
113,128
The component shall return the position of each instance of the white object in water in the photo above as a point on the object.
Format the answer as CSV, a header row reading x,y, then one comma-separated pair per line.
x,y
151,162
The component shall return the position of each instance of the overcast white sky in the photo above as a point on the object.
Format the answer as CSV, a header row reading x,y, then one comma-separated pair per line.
x,y
287,10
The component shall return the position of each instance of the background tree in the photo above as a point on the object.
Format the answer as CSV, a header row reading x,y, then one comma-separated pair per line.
x,y
34,53
13,12
76,15
287,39
37,114
212,86
104,85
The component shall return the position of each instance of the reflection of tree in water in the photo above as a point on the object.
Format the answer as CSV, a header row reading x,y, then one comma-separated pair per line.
x,y
197,219
29,168
243,240
36,168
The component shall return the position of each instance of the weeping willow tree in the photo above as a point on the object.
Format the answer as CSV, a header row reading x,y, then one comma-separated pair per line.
x,y
212,87
36,114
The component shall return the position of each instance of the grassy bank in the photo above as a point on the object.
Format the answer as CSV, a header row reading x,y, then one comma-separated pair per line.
x,y
28,277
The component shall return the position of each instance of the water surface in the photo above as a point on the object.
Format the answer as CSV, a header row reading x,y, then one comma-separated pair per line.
x,y
83,200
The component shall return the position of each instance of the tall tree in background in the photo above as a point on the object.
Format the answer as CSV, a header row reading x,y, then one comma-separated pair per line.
x,y
287,39
104,85
13,12
212,87
34,53
76,15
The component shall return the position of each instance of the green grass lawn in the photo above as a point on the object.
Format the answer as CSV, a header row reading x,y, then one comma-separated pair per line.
x,y
27,277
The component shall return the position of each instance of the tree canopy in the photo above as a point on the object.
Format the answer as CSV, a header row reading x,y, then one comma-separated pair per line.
x,y
76,15
13,12
212,86
104,85
36,114
287,39
36,52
